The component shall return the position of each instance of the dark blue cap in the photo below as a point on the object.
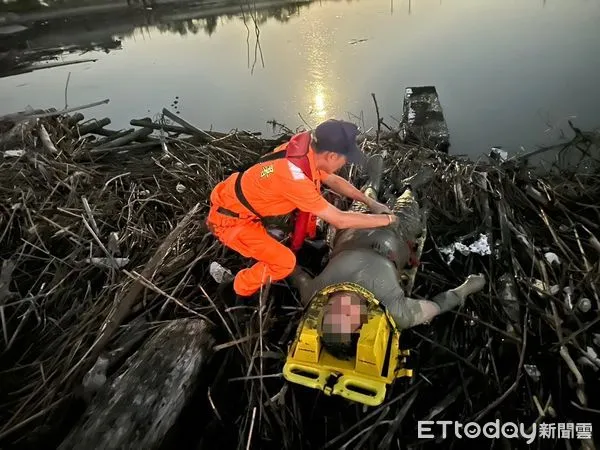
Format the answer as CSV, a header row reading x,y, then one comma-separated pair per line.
x,y
339,137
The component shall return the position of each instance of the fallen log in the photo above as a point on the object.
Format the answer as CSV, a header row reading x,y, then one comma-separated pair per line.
x,y
74,119
146,122
93,125
126,138
111,136
141,405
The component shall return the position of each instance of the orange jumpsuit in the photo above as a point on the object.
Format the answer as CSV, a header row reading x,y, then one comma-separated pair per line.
x,y
273,188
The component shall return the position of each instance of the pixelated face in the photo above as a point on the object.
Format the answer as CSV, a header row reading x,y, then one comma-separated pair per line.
x,y
346,315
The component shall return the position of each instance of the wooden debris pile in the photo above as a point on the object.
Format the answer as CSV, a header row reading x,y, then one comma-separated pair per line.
x,y
86,213
102,234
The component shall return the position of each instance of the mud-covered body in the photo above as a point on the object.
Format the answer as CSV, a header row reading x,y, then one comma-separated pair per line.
x,y
370,262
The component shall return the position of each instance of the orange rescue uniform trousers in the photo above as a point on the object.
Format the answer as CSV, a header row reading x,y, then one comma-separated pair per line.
x,y
250,239
274,188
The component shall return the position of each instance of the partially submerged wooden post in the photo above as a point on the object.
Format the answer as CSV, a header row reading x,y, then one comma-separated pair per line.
x,y
423,119
141,405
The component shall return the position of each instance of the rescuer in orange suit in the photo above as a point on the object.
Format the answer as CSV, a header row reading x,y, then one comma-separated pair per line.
x,y
287,180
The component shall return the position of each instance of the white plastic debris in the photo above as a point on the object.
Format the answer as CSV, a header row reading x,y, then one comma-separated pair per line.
x,y
219,273
552,258
14,153
180,188
408,91
480,247
108,262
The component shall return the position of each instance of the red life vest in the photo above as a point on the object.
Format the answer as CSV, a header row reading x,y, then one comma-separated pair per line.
x,y
296,152
305,224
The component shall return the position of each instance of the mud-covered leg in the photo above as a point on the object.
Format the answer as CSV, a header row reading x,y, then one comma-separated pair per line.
x,y
408,211
416,312
303,282
450,299
472,285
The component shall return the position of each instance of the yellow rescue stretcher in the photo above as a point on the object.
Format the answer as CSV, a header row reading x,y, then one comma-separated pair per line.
x,y
363,379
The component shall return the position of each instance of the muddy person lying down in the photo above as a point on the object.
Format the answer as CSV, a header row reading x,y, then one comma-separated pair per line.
x,y
374,260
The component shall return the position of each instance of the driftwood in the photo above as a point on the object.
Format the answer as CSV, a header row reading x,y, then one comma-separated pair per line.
x,y
141,405
75,119
46,140
53,112
128,137
93,125
111,135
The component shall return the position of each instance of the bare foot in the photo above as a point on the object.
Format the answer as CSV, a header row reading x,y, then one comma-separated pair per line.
x,y
472,285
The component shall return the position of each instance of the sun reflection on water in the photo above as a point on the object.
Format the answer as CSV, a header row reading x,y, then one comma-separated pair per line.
x,y
318,92
318,109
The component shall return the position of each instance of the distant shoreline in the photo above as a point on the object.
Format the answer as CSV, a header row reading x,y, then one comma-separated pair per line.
x,y
213,7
